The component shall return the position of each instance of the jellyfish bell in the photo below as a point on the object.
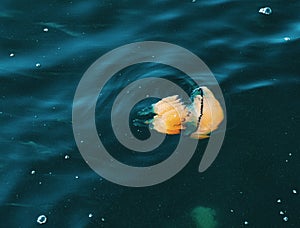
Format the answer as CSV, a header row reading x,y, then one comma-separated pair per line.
x,y
208,110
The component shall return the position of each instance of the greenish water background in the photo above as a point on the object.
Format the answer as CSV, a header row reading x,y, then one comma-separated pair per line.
x,y
258,72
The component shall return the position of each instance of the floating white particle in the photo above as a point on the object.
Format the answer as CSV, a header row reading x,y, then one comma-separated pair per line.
x,y
102,219
281,212
40,182
290,154
90,215
37,64
76,177
287,38
41,219
67,156
32,172
294,191
265,10
246,222
11,55
231,211
193,0
81,141
279,201
45,29
285,219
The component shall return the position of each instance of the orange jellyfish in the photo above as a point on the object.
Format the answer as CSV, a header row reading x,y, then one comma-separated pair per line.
x,y
198,119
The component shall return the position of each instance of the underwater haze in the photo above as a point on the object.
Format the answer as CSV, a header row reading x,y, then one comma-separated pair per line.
x,y
46,47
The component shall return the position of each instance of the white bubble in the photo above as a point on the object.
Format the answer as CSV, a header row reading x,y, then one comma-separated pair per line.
x,y
281,212
102,219
90,215
246,222
67,156
45,29
294,191
265,10
193,0
287,38
32,172
37,64
285,219
41,219
76,177
279,201
11,55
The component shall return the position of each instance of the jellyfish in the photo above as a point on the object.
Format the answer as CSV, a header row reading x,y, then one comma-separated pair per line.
x,y
204,217
172,116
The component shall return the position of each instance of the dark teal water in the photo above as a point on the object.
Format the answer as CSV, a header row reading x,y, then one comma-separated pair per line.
x,y
258,71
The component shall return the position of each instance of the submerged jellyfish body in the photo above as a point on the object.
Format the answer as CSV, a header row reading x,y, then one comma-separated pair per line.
x,y
204,217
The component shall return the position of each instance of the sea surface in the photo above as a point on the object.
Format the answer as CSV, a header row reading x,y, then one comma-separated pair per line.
x,y
46,47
